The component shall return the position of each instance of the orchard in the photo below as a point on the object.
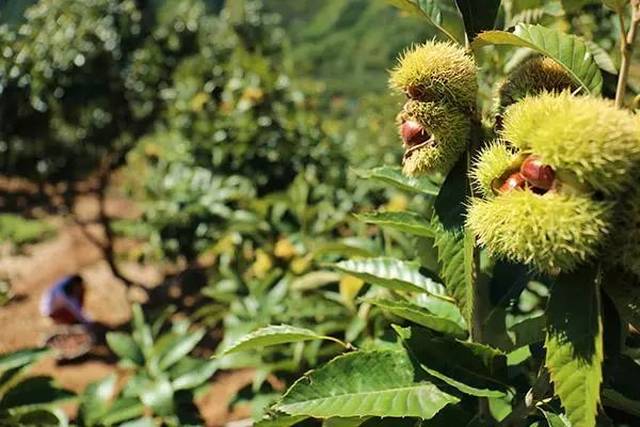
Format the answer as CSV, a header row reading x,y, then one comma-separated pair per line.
x,y
342,213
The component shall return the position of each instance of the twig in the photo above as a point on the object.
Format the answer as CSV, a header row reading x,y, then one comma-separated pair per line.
x,y
626,49
528,405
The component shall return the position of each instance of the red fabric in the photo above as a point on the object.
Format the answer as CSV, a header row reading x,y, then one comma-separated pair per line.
x,y
63,316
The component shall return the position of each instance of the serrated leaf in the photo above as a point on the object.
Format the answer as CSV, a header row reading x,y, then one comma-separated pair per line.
x,y
455,270
440,13
478,15
574,345
375,383
569,51
125,347
393,175
448,325
472,368
407,222
393,274
280,420
535,14
274,335
344,422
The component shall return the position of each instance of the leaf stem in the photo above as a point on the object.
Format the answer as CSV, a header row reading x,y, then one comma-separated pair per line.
x,y
626,49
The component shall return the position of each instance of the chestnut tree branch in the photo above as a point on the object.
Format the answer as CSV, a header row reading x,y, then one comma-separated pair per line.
x,y
626,49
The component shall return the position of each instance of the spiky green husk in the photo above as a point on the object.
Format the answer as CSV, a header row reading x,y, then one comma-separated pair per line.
x,y
493,162
438,71
586,136
532,77
552,233
624,249
450,129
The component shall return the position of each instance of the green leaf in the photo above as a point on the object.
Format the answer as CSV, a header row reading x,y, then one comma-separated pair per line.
x,y
274,419
315,279
615,399
393,175
376,383
621,390
181,348
40,417
569,51
440,13
158,395
21,358
393,274
14,363
602,58
448,325
555,420
34,392
478,15
344,422
125,347
407,222
196,376
450,205
574,345
571,6
472,368
455,270
140,422
616,5
96,399
123,409
536,13
529,331
141,333
624,291
274,335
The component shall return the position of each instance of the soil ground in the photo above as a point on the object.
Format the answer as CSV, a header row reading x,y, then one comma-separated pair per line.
x,y
72,251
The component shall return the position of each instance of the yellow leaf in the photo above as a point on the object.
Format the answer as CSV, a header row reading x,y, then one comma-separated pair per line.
x,y
397,203
199,100
300,264
284,249
262,264
349,288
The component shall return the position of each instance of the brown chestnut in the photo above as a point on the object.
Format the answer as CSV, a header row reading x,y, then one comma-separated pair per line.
x,y
413,133
537,173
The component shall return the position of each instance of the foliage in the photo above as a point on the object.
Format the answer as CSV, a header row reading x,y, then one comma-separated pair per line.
x,y
163,375
20,231
541,326
29,400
